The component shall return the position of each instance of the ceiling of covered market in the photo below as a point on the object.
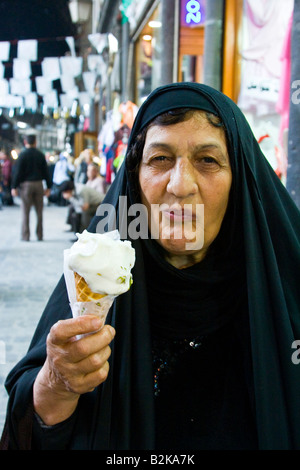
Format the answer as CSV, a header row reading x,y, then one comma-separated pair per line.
x,y
32,19
48,21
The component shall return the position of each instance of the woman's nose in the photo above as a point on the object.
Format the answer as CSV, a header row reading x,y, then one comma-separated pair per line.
x,y
182,182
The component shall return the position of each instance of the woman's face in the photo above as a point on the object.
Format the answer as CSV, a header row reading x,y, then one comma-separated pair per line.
x,y
185,179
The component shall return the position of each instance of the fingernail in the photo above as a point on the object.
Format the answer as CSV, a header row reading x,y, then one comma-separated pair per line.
x,y
112,330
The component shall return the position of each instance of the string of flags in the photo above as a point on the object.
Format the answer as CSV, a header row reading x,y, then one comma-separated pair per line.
x,y
28,92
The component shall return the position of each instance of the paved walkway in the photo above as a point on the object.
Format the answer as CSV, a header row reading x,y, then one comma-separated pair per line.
x,y
28,273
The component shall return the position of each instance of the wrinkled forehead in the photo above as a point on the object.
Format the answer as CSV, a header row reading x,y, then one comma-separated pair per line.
x,y
194,127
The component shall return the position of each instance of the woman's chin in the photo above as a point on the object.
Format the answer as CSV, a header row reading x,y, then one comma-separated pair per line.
x,y
181,247
176,242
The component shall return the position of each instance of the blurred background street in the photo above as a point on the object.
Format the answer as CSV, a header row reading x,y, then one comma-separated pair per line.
x,y
29,272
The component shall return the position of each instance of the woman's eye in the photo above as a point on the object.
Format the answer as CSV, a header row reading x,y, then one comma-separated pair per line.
x,y
209,160
207,164
160,158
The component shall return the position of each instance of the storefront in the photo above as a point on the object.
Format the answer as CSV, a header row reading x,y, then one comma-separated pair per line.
x,y
256,70
148,56
191,40
145,26
152,27
188,36
253,70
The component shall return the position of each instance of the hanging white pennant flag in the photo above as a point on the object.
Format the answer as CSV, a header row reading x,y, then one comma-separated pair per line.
x,y
43,85
115,74
84,98
71,43
20,87
17,101
51,99
74,93
4,50
27,49
12,101
71,65
4,87
31,101
67,82
65,100
99,41
51,68
102,68
95,62
89,80
21,69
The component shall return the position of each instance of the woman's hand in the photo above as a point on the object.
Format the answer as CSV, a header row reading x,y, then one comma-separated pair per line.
x,y
73,366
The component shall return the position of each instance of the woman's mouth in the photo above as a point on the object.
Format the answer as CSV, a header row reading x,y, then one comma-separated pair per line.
x,y
181,214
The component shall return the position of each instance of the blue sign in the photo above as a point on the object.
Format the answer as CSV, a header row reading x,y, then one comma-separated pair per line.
x,y
192,12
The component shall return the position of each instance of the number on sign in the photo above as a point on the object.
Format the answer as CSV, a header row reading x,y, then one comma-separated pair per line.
x,y
194,13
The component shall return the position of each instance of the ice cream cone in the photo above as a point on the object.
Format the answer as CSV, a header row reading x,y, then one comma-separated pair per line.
x,y
104,262
83,292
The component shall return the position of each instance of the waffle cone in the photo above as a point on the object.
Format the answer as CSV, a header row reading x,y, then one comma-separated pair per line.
x,y
83,292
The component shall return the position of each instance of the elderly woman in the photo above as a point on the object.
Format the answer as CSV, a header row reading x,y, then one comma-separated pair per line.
x,y
199,353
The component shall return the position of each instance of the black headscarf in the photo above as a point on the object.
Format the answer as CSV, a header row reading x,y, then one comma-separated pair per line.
x,y
256,253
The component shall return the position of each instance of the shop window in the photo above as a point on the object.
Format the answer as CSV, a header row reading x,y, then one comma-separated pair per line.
x,y
148,57
191,40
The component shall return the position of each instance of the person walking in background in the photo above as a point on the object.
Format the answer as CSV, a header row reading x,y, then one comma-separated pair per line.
x,y
85,158
51,160
31,170
83,201
95,180
6,167
63,171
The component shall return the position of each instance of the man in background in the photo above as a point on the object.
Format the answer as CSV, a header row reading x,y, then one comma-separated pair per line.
x,y
31,170
6,167
84,202
95,180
